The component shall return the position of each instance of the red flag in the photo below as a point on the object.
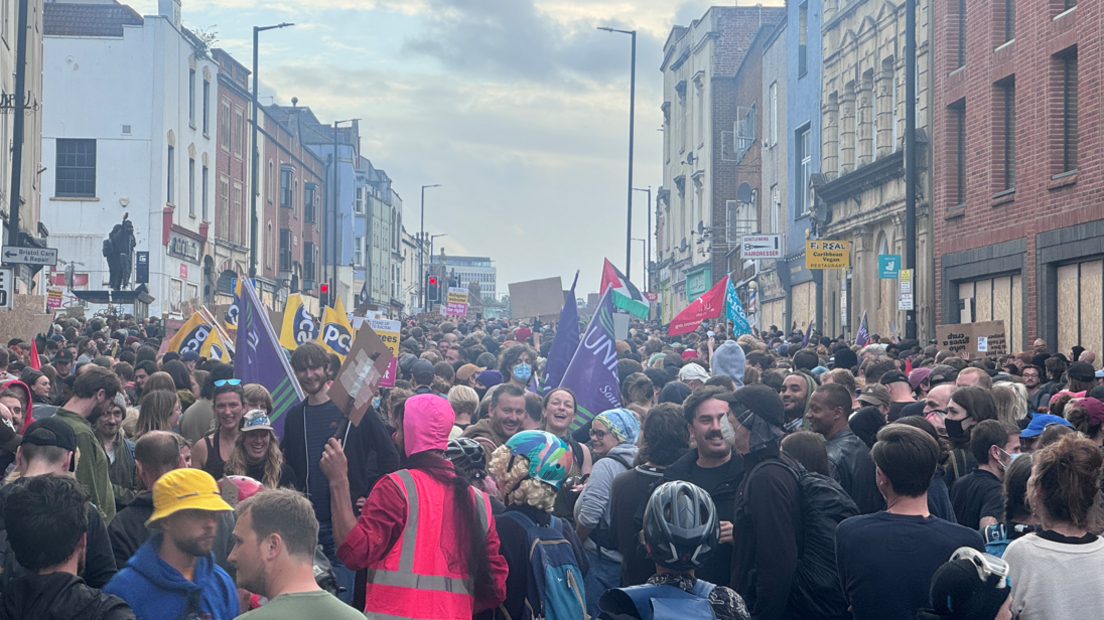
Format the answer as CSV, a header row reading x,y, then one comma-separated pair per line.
x,y
908,366
709,306
34,361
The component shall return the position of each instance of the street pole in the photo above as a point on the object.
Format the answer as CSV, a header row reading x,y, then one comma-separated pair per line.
x,y
17,129
421,251
632,120
910,158
256,153
333,216
648,245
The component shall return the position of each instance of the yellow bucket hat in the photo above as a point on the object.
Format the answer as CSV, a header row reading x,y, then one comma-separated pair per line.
x,y
185,489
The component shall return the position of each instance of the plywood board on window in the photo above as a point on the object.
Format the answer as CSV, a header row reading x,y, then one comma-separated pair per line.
x,y
1068,302
1092,323
1016,328
966,292
983,294
1002,302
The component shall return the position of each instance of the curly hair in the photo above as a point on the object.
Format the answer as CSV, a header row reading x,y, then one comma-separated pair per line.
x,y
238,463
516,485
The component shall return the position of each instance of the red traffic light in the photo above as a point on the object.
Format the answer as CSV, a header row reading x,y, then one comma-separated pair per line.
x,y
324,288
432,281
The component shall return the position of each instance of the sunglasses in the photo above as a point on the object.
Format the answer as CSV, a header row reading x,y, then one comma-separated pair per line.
x,y
222,382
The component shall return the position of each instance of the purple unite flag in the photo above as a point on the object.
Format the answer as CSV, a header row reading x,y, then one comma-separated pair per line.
x,y
260,358
862,337
565,343
592,372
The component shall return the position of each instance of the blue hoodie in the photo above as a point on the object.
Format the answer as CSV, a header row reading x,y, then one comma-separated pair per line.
x,y
157,591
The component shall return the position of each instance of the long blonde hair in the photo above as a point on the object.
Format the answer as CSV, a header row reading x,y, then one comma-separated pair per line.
x,y
154,411
238,464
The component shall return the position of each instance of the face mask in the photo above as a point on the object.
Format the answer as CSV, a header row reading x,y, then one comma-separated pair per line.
x,y
376,403
522,372
954,429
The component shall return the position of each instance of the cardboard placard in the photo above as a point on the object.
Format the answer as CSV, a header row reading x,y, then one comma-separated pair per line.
x,y
537,298
359,379
979,340
26,319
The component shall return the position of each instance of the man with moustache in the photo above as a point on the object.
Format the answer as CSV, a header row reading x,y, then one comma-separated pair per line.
x,y
506,415
714,467
307,428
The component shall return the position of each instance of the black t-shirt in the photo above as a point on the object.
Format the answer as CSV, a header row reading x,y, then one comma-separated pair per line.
x,y
886,561
975,496
710,478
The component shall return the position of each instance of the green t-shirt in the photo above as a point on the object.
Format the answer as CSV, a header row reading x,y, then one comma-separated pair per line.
x,y
320,604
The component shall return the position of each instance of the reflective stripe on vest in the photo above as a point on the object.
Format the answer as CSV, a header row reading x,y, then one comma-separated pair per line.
x,y
405,577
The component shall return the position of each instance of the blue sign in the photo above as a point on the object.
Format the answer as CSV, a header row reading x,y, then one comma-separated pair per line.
x,y
889,266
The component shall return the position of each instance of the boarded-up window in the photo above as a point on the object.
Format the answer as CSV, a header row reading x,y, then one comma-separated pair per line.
x,y
996,299
1079,306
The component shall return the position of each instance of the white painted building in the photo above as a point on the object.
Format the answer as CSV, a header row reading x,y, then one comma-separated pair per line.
x,y
127,130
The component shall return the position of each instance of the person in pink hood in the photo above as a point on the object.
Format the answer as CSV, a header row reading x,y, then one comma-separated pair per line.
x,y
420,527
17,397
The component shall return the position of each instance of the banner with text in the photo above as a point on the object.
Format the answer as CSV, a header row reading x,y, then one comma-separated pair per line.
x,y
457,302
827,254
978,340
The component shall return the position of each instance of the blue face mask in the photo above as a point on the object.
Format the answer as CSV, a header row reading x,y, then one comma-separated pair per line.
x,y
376,403
522,372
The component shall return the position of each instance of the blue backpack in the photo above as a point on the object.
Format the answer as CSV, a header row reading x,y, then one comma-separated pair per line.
x,y
658,602
556,581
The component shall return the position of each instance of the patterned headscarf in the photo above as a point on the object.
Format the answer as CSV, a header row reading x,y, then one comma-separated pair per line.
x,y
622,423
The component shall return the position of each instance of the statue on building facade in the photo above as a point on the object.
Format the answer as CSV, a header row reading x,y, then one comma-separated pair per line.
x,y
118,249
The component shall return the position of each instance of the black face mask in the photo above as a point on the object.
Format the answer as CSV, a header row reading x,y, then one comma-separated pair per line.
x,y
954,429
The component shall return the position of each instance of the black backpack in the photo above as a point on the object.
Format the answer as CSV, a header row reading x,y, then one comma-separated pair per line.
x,y
816,592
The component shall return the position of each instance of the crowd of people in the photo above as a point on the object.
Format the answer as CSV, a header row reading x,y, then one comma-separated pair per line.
x,y
767,476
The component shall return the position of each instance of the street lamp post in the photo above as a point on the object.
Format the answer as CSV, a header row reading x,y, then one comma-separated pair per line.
x,y
643,253
257,30
648,245
421,249
632,119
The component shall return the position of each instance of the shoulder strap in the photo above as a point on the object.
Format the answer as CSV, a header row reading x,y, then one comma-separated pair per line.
x,y
521,518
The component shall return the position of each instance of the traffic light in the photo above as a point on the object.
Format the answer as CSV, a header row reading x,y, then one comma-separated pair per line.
x,y
323,295
433,290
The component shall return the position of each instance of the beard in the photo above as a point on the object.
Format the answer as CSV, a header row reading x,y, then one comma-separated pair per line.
x,y
194,546
797,411
256,583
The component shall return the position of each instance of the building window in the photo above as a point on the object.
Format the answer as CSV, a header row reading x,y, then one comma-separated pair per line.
x,y
170,185
285,249
191,97
310,195
286,196
269,247
224,207
804,159
271,181
206,106
1009,20
961,33
358,252
358,205
773,131
958,140
224,125
776,207
699,113
309,253
191,186
76,169
1068,63
236,213
239,132
803,39
1007,91
203,194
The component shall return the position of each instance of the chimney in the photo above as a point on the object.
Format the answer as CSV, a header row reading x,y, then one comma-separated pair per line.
x,y
169,9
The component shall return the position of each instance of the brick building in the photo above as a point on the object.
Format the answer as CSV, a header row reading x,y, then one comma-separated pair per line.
x,y
1018,229
699,114
228,257
291,193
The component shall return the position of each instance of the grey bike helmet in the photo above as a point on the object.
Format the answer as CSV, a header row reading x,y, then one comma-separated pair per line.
x,y
680,525
467,456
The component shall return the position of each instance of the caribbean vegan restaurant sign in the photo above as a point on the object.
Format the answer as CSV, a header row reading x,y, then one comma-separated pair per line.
x,y
827,254
977,339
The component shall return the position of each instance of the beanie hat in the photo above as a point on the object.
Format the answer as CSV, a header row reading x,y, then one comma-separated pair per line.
x,y
760,400
728,360
622,423
845,358
1081,371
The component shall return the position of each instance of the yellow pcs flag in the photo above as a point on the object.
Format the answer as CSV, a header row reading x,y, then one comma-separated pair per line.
x,y
298,325
213,348
191,335
336,333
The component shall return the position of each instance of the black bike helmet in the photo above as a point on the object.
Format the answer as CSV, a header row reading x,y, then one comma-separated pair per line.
x,y
680,525
468,456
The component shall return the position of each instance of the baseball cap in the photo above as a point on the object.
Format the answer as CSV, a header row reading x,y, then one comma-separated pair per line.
x,y
422,371
51,432
189,356
942,374
255,420
63,356
876,394
761,401
1081,371
894,376
185,489
971,585
1039,422
467,370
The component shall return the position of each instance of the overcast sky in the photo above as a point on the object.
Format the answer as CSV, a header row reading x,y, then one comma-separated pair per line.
x,y
519,108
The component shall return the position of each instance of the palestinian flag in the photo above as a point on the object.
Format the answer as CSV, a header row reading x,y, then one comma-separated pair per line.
x,y
625,295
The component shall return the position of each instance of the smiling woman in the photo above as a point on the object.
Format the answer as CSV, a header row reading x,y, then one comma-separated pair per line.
x,y
257,453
